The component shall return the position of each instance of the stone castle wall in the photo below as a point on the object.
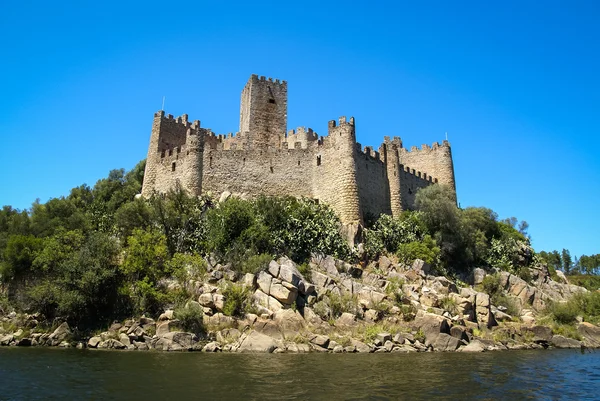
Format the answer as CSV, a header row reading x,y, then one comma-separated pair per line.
x,y
263,159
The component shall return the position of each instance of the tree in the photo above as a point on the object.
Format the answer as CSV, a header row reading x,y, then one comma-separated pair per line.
x,y
567,263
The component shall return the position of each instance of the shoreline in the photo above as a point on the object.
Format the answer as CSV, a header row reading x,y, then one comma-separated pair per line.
x,y
336,307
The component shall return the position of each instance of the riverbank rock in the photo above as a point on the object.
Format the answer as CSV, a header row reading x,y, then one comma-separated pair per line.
x,y
563,342
59,335
256,342
590,334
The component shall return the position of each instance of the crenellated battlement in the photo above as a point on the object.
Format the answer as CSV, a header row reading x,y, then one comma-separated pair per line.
x,y
426,148
263,157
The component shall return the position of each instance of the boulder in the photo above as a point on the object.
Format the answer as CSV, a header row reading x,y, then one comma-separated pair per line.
x,y
249,280
346,320
282,293
320,340
257,342
7,339
184,339
94,341
219,319
124,339
421,267
289,322
460,333
432,326
219,301
385,263
320,279
273,268
267,301
59,335
111,343
168,314
478,276
541,334
288,272
167,326
384,337
212,346
264,281
563,342
360,347
473,346
590,334
445,342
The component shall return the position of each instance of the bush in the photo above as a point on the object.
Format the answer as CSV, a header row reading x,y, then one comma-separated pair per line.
x,y
190,317
426,250
564,312
388,233
184,266
491,284
238,299
257,263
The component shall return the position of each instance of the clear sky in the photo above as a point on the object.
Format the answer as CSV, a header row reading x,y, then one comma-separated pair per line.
x,y
515,85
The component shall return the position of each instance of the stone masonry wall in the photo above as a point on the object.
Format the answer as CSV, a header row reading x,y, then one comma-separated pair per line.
x,y
373,184
435,161
263,159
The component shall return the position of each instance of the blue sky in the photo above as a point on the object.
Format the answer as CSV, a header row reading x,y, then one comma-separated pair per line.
x,y
514,84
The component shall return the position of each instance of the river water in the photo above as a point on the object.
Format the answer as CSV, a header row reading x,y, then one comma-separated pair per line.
x,y
59,374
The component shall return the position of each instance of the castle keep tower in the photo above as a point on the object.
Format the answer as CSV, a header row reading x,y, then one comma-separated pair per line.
x,y
263,159
263,111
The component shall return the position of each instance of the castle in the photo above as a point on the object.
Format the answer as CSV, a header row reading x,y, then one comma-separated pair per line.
x,y
262,158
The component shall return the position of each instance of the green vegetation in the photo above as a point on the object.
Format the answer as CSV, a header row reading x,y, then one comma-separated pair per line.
x,y
585,306
190,317
237,299
451,239
100,254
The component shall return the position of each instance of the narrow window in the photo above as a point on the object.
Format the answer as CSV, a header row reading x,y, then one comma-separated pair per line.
x,y
298,162
210,162
173,166
271,169
319,160
272,101
244,161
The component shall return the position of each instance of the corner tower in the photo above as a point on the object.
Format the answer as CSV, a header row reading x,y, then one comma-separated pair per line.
x,y
263,112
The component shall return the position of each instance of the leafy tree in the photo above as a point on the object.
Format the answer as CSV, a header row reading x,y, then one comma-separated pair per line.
x,y
19,254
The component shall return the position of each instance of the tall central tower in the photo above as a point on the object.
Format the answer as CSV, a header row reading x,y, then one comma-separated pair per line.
x,y
263,112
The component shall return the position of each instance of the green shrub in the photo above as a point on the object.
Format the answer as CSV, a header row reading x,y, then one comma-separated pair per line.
x,y
449,304
184,267
564,312
388,233
257,263
426,250
491,284
238,299
306,271
511,305
190,317
345,303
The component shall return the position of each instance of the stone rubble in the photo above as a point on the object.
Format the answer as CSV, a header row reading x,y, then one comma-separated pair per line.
x,y
388,307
